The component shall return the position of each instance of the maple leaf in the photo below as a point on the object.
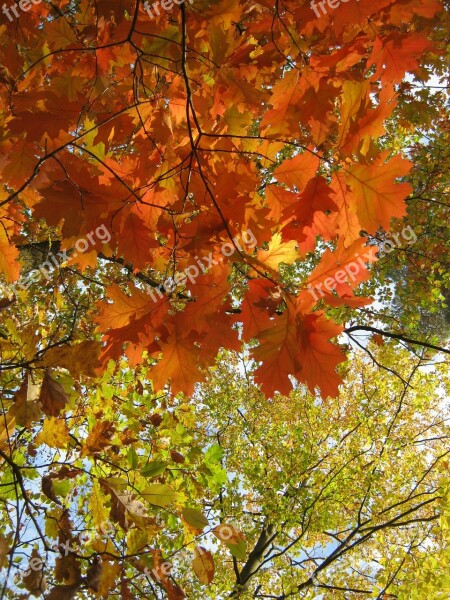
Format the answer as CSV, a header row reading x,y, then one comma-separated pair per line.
x,y
397,54
257,307
297,171
181,363
378,196
299,345
99,438
55,433
341,270
278,252
79,358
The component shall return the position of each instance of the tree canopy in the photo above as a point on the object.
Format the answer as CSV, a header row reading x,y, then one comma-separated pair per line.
x,y
224,299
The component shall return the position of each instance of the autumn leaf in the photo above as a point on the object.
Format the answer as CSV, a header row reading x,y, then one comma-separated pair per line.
x,y
191,202
297,171
94,574
55,433
47,488
26,408
125,508
379,197
9,265
80,358
397,54
299,345
64,592
34,580
4,550
53,397
7,427
278,252
228,534
203,565
99,438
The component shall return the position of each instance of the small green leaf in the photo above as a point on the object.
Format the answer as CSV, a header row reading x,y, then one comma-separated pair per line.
x,y
132,458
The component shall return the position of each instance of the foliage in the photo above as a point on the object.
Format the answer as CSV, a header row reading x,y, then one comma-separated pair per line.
x,y
171,134
172,191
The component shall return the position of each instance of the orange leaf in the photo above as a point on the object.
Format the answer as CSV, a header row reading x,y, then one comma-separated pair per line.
x,y
299,345
378,197
9,265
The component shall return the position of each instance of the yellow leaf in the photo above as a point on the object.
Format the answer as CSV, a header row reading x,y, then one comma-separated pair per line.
x,y
79,358
54,433
7,426
110,572
99,511
203,565
159,494
278,252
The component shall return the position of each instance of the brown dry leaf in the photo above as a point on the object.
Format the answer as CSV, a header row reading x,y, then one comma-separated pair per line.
x,y
64,592
4,550
125,592
94,574
34,580
99,437
125,509
47,489
53,397
378,339
174,592
26,407
177,457
5,303
80,358
67,569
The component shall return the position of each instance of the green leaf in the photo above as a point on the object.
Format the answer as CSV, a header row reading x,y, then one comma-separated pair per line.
x,y
238,550
62,488
154,468
132,458
213,454
159,494
195,518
